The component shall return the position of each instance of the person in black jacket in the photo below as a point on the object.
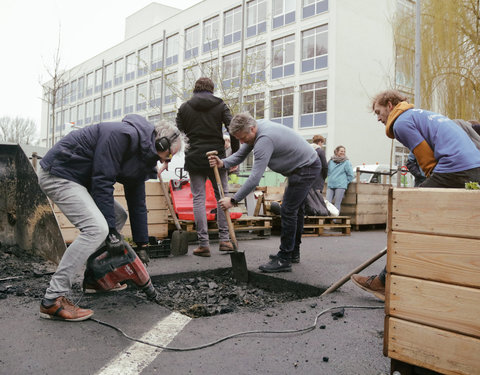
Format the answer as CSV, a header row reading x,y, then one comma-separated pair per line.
x,y
78,174
317,143
201,119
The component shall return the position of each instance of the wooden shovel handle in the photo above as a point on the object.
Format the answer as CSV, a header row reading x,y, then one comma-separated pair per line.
x,y
170,206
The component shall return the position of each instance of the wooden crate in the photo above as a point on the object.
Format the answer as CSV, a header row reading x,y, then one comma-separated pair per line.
x,y
157,213
432,301
326,226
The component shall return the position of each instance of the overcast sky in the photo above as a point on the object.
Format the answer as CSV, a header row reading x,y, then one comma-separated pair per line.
x,y
29,32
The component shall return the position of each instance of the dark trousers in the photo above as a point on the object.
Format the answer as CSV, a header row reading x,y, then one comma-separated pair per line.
x,y
293,208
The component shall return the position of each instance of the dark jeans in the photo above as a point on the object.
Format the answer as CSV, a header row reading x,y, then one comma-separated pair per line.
x,y
293,208
445,180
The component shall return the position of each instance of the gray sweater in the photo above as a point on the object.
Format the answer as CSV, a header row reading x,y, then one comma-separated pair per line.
x,y
277,147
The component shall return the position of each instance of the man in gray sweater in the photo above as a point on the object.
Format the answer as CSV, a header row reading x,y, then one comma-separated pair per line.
x,y
285,152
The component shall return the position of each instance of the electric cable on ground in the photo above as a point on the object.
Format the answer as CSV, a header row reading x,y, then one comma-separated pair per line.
x,y
245,333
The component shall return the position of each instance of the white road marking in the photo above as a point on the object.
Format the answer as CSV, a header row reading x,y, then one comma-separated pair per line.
x,y
138,356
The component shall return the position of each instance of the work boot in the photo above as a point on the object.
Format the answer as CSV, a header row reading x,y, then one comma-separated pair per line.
x,y
90,289
202,251
295,257
370,284
226,246
276,265
64,309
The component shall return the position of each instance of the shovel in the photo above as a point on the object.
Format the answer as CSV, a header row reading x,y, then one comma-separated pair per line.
x,y
239,263
179,242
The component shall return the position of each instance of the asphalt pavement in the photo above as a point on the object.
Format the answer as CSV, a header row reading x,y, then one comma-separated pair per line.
x,y
351,344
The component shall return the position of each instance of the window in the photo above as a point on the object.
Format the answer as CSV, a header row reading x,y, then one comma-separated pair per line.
x,y
283,57
89,88
283,12
131,65
313,104
210,34
312,7
154,118
155,92
190,76
73,115
282,106
170,116
232,24
192,41
256,17
117,104
88,112
80,114
255,104
315,48
81,88
129,100
170,88
107,107
210,69
118,74
65,89
231,70
157,55
255,64
73,91
108,76
142,63
98,80
172,50
97,109
142,96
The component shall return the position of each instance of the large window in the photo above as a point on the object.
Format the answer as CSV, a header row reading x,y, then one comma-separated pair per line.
x,y
283,12
313,7
231,70
142,96
73,91
210,34
119,69
81,88
256,17
88,112
89,87
107,107
131,64
170,88
97,109
211,69
108,76
117,104
281,103
232,25
172,50
80,114
283,57
157,55
129,100
315,48
192,41
142,63
313,104
65,90
255,104
155,92
190,76
98,80
255,64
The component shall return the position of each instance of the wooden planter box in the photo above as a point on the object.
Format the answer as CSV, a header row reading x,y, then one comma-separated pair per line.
x,y
432,301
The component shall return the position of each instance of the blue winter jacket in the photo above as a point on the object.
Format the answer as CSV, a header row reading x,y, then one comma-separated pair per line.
x,y
99,155
339,174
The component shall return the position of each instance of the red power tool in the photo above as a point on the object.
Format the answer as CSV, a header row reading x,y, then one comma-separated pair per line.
x,y
105,270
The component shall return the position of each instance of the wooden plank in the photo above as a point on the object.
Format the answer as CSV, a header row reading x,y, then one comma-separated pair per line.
x,y
432,348
372,199
151,188
156,230
440,305
446,259
364,219
152,201
449,212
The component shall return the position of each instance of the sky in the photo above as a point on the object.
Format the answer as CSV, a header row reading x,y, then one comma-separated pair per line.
x,y
29,35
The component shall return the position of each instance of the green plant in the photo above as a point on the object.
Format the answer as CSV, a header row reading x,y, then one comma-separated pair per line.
x,y
472,185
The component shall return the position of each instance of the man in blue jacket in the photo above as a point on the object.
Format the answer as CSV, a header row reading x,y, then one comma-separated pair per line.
x,y
78,174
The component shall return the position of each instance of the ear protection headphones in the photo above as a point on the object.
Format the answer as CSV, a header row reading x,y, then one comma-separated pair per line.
x,y
164,144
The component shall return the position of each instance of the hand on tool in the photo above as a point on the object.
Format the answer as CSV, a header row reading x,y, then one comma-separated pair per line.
x,y
114,242
142,253
226,203
215,161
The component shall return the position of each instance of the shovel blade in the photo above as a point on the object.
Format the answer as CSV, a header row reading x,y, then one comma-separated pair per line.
x,y
179,244
239,266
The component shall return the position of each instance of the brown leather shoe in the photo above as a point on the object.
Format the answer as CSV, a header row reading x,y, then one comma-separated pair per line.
x,y
202,251
370,284
64,309
226,246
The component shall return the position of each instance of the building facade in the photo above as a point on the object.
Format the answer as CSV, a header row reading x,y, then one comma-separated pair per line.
x,y
312,65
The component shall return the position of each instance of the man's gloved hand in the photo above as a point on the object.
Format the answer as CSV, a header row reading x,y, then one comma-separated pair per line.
x,y
142,253
114,242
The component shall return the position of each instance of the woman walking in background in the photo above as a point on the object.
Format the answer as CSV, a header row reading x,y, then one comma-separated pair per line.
x,y
340,174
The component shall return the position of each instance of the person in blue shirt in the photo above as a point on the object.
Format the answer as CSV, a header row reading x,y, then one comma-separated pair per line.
x,y
340,174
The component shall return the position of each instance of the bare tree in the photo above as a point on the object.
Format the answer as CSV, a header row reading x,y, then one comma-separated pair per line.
x,y
17,130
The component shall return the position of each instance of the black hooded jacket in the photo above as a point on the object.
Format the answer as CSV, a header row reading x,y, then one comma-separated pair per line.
x,y
201,119
99,155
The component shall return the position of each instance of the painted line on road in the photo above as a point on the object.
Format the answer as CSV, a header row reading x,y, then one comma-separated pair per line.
x,y
138,356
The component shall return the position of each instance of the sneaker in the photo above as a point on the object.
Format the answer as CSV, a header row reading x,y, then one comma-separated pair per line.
x,y
64,309
226,246
276,265
202,251
370,284
90,289
295,257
